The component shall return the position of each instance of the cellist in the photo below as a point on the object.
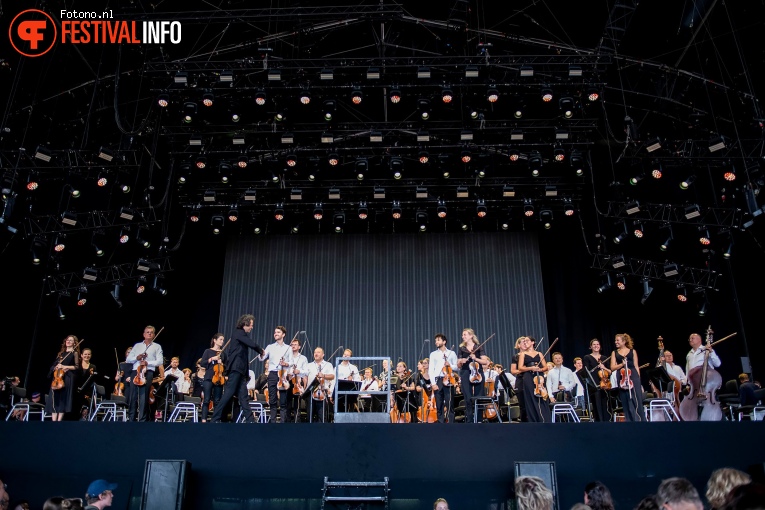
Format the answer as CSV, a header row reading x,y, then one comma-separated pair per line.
x,y
150,352
695,357
209,360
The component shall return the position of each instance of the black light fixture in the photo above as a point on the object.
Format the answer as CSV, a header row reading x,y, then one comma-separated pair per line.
x,y
621,235
547,94
546,217
363,211
233,214
318,212
441,209
279,212
423,105
480,209
566,105
208,98
492,95
607,283
396,210
421,217
647,289
115,293
163,100
305,97
357,96
686,183
447,95
217,222
338,219
528,208
189,112
260,98
535,163
395,96
621,282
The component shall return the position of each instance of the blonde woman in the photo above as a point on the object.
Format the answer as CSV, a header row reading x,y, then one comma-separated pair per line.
x,y
470,354
721,483
531,364
630,391
531,493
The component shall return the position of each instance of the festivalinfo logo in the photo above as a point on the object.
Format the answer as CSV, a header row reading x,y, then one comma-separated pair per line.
x,y
33,32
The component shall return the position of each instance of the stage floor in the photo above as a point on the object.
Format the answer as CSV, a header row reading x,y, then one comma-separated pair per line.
x,y
283,466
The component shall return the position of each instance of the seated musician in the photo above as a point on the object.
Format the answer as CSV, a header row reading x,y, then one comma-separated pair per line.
x,y
346,371
406,399
675,373
746,391
579,392
561,381
369,383
183,385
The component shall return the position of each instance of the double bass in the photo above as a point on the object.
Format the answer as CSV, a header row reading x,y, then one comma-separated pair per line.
x,y
704,381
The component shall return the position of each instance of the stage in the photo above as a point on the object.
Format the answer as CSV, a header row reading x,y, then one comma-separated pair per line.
x,y
281,466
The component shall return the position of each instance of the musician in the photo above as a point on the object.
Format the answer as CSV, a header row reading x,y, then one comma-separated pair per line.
x,y
346,370
531,364
183,385
68,360
236,365
519,346
321,370
470,353
197,380
299,375
625,356
436,370
406,401
85,379
369,383
382,379
695,357
561,381
579,392
210,358
261,383
675,373
174,371
746,391
150,352
593,362
276,354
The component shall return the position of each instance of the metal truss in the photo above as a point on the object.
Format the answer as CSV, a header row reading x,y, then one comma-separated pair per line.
x,y
269,14
93,220
616,26
687,276
69,282
725,218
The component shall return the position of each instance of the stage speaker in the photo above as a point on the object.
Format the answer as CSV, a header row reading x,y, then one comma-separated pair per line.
x,y
164,484
543,470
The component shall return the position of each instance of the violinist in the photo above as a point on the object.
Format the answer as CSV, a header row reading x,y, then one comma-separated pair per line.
x,y
368,383
63,370
277,354
183,385
596,365
148,356
405,400
442,363
561,381
347,371
532,366
471,361
197,380
519,394
237,368
298,372
322,371
695,357
382,379
579,392
624,359
85,378
210,358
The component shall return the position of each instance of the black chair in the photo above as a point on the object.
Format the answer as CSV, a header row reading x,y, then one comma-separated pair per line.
x,y
19,404
729,399
108,410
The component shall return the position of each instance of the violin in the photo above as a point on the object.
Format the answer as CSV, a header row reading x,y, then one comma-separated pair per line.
x,y
297,383
448,379
540,389
284,381
140,373
58,377
218,378
476,372
625,378
320,393
119,387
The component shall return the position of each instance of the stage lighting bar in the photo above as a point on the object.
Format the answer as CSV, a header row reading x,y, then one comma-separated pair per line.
x,y
632,207
90,274
69,218
423,136
516,135
423,73
508,191
327,74
421,192
334,194
471,72
43,154
646,269
670,270
237,140
375,137
288,138
327,137
373,73
274,75
226,77
574,71
105,154
526,71
378,193
466,135
462,192
653,145
250,195
296,194
181,78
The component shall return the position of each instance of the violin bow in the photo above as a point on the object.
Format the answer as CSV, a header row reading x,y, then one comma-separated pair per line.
x,y
484,342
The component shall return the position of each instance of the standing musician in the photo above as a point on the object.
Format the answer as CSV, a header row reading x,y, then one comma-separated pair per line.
x,y
346,371
695,357
150,352
630,391
561,381
369,383
210,358
66,365
85,379
579,392
518,376
323,371
197,380
298,368
470,354
277,354
532,365
237,368
598,394
439,359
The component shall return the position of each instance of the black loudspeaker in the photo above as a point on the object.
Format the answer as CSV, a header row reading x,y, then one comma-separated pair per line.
x,y
164,484
543,470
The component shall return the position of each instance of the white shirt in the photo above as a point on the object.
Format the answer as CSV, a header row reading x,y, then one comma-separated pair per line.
x,y
323,367
676,372
182,385
695,358
343,371
177,372
251,381
438,359
274,354
368,385
299,361
153,352
560,375
579,387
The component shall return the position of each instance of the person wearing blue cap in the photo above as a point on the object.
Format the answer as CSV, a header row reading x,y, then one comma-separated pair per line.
x,y
100,494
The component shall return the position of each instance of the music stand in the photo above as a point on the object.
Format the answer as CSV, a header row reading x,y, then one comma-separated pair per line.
x,y
660,378
166,386
509,390
345,385
587,381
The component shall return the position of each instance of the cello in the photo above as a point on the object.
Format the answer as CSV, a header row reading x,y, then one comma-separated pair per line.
x,y
704,381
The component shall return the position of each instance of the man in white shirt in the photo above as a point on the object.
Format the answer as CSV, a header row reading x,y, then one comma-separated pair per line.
x,y
321,370
695,357
346,371
298,367
579,394
150,352
439,359
560,380
176,372
369,383
672,369
276,354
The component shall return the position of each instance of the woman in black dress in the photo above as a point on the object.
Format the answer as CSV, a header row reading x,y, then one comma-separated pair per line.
x,y
85,381
519,346
598,397
68,361
210,358
624,356
467,355
531,364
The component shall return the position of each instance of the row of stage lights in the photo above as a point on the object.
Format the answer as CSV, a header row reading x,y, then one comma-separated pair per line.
x,y
620,283
728,173
142,286
39,247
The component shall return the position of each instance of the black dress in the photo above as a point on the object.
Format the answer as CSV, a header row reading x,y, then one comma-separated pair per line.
x,y
519,390
632,399
469,389
537,408
60,401
598,398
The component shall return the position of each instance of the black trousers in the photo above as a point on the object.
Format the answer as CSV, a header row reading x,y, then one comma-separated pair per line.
x,y
444,398
235,386
212,392
139,398
470,390
277,399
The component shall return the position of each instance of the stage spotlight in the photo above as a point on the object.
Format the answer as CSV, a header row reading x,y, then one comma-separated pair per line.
x,y
682,294
730,174
59,244
728,250
189,112
593,94
43,153
607,284
716,143
329,110
82,296
647,289
208,98
653,144
528,208
217,222
291,160
492,95
141,241
32,182
514,154
38,250
333,159
447,95
396,166
233,214
568,207
163,100
73,192
423,105
656,172
421,217
357,96
621,236
535,163
577,162
546,217
638,230
481,208
260,98
441,209
363,211
140,286
424,157
395,96
61,314
242,161
559,154
566,105
685,184
305,97
115,293
280,117
396,210
465,156
621,282
159,285
704,307
194,217
547,95
279,212
636,179
318,212
704,238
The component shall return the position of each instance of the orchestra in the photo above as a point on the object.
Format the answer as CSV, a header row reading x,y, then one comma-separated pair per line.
x,y
599,387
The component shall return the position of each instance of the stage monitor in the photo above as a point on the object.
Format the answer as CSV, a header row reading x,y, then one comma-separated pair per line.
x,y
543,470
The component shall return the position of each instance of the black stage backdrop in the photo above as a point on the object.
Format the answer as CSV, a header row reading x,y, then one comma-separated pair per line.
x,y
384,295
